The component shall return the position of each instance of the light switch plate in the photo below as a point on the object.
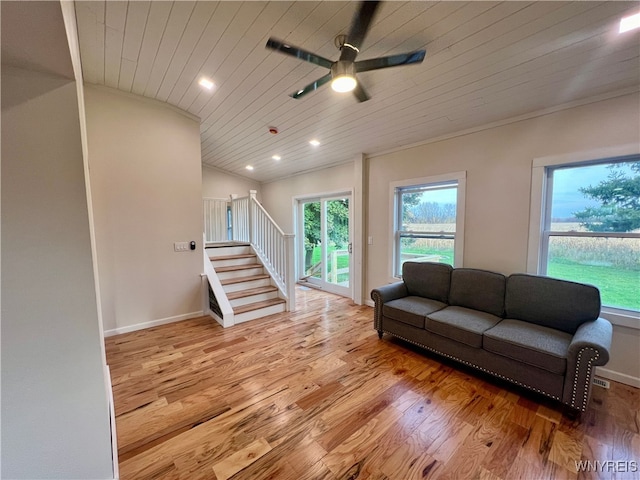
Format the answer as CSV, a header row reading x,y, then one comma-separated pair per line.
x,y
181,247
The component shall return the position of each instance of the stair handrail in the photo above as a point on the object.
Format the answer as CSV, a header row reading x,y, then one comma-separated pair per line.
x,y
258,205
252,223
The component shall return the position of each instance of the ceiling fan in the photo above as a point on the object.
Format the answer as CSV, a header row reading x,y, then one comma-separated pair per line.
x,y
343,71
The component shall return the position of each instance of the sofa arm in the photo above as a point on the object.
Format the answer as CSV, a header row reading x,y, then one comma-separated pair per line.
x,y
589,347
385,294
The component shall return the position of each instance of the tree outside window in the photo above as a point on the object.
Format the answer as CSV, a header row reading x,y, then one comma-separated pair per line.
x,y
592,229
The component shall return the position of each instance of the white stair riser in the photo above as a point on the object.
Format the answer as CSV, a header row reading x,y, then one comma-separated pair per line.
x,y
226,251
260,297
241,286
231,262
261,312
249,272
236,287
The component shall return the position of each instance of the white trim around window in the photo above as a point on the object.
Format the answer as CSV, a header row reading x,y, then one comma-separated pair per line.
x,y
460,178
538,207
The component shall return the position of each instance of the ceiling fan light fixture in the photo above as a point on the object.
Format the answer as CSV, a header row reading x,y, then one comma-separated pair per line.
x,y
343,77
344,83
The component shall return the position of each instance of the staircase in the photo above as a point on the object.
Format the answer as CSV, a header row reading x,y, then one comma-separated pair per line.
x,y
249,288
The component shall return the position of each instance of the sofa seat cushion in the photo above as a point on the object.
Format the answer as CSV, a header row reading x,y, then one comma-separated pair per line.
x,y
461,324
411,310
529,343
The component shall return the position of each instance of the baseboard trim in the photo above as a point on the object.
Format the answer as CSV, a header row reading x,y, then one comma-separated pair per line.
x,y
618,377
153,323
112,420
369,303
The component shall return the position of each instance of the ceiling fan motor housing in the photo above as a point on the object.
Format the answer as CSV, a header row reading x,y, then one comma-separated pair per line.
x,y
343,67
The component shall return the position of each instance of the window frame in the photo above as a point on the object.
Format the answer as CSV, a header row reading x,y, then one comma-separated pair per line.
x,y
540,206
436,181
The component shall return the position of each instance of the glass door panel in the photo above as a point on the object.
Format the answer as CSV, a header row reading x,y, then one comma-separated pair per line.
x,y
312,227
325,244
337,239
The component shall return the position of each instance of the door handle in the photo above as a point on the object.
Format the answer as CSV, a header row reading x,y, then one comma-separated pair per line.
x,y
350,248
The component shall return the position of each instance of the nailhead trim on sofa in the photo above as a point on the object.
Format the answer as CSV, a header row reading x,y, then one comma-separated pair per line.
x,y
592,358
474,366
376,315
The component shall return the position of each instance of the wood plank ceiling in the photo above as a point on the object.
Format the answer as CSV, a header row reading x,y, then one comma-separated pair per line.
x,y
486,62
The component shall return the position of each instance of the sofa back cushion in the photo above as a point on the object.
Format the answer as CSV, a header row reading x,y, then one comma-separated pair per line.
x,y
478,289
427,279
549,302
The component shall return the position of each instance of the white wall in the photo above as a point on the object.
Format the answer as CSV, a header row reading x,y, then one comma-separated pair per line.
x,y
55,421
498,163
146,180
277,197
219,184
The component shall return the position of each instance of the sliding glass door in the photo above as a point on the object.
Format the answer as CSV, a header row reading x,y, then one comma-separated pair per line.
x,y
325,243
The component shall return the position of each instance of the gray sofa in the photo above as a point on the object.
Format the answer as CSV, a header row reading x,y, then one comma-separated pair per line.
x,y
537,332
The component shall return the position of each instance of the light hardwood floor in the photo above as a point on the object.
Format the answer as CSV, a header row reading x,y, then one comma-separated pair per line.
x,y
315,395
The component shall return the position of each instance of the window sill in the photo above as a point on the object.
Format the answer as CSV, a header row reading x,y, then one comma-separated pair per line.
x,y
622,319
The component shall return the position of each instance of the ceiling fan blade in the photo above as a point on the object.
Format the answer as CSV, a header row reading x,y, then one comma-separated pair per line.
x,y
390,61
359,28
287,49
360,93
312,86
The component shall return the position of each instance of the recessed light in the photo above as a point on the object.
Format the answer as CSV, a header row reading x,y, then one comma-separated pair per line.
x,y
314,142
206,83
277,157
249,167
629,23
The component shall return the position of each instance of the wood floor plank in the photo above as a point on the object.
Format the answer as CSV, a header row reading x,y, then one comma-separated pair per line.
x,y
411,461
498,461
315,395
241,459
356,448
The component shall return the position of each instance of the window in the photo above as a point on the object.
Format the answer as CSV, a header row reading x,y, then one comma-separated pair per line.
x,y
591,227
428,221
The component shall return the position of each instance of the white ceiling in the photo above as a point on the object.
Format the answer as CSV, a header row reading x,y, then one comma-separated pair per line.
x,y
486,62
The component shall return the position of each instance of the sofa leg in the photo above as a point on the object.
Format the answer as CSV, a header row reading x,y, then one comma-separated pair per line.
x,y
572,414
380,334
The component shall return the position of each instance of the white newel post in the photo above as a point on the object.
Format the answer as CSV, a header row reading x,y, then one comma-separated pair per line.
x,y
289,252
252,203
